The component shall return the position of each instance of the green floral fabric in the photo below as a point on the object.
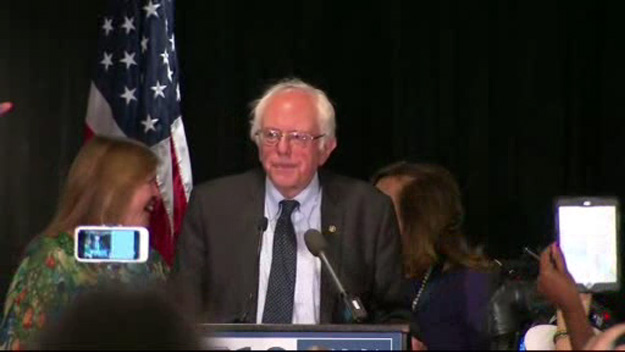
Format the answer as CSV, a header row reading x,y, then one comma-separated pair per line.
x,y
49,278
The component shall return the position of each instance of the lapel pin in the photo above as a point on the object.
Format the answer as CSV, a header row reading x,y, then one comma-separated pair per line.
x,y
332,229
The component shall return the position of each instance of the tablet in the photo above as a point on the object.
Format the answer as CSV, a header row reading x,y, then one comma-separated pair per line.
x,y
587,229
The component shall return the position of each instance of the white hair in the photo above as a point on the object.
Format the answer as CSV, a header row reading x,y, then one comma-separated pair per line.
x,y
325,110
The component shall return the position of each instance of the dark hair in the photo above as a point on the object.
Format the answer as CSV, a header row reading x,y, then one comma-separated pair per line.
x,y
431,216
120,318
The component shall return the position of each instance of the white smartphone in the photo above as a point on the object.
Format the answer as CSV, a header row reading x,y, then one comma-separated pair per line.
x,y
588,229
119,244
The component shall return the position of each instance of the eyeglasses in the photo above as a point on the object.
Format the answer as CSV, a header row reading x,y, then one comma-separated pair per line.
x,y
273,137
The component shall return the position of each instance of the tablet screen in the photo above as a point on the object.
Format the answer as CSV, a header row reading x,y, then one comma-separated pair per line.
x,y
588,239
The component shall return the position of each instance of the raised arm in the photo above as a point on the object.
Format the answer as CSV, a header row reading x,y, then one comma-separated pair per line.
x,y
558,286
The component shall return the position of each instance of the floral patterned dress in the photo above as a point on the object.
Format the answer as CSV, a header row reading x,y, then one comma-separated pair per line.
x,y
49,278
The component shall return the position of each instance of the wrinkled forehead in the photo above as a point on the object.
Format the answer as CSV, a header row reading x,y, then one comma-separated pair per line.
x,y
291,110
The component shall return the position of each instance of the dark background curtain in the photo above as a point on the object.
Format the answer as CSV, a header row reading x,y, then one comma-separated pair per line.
x,y
521,100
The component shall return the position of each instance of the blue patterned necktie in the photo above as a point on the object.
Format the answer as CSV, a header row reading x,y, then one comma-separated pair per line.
x,y
281,287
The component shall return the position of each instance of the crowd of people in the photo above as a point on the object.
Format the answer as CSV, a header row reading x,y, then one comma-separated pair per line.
x,y
397,243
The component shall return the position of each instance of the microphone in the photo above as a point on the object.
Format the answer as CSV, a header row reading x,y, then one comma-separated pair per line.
x,y
260,228
5,107
317,244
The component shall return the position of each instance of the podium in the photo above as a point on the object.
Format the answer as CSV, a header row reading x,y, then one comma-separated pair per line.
x,y
303,337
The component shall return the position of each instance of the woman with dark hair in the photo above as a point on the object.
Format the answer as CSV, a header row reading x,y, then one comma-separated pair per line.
x,y
111,181
450,284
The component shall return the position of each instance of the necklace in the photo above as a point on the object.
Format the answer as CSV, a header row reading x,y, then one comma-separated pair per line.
x,y
424,282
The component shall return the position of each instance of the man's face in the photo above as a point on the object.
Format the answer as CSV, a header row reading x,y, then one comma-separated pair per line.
x,y
289,165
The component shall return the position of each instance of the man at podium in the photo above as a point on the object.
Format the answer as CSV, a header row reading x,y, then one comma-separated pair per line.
x,y
242,256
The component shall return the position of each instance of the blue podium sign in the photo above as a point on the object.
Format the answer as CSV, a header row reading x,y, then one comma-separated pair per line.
x,y
305,337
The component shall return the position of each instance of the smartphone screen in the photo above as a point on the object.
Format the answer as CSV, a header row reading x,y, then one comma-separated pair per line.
x,y
111,244
588,231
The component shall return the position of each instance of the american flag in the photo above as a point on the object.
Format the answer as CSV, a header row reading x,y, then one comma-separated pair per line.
x,y
135,93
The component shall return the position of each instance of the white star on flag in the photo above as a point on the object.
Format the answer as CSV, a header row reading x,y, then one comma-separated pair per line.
x,y
129,59
128,24
107,61
150,9
129,94
170,74
108,25
144,44
178,92
165,57
149,123
158,89
173,43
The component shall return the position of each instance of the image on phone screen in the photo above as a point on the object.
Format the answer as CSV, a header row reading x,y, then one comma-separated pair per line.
x,y
113,244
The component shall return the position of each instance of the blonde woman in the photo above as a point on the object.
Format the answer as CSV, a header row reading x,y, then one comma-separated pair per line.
x,y
111,181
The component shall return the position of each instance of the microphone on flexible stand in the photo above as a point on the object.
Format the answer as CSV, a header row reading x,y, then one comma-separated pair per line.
x,y
317,244
260,228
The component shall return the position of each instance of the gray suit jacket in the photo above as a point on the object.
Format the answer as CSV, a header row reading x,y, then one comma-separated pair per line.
x,y
216,268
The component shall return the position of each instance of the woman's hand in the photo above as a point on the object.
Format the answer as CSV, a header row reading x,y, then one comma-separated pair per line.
x,y
554,281
558,286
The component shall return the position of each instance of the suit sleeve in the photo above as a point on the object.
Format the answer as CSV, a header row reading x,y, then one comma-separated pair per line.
x,y
187,279
390,306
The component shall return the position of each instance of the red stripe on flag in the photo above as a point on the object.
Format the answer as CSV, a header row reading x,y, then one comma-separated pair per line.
x,y
161,237
160,234
180,199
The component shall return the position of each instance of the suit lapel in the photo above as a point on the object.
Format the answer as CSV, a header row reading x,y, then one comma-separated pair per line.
x,y
253,212
331,228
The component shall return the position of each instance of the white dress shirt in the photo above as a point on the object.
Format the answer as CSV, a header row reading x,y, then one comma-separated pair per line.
x,y
308,274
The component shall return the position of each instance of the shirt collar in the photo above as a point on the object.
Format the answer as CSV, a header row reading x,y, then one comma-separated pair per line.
x,y
306,197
